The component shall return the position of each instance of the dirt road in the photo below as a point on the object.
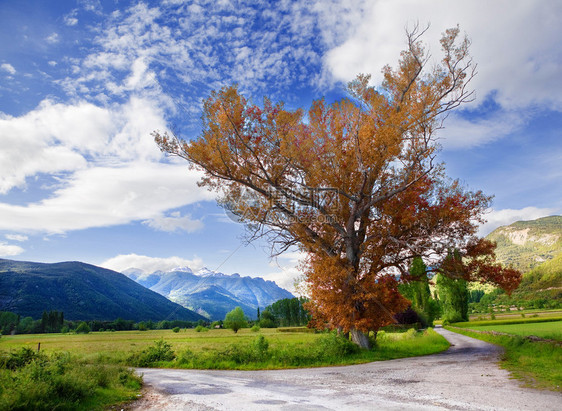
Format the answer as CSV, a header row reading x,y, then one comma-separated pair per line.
x,y
466,377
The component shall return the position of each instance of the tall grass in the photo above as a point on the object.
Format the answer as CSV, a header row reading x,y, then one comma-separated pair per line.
x,y
327,349
536,363
36,381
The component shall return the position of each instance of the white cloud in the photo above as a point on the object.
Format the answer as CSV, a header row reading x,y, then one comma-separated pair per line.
x,y
515,44
460,132
289,274
106,196
174,222
7,250
16,237
498,218
150,264
8,68
53,38
52,63
70,19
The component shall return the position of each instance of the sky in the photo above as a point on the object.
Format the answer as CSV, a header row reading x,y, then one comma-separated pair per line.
x,y
83,83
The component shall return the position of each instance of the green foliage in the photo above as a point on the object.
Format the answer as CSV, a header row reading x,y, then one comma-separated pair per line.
x,y
468,324
255,328
287,312
176,329
29,380
83,328
201,328
418,292
267,319
160,351
453,296
235,320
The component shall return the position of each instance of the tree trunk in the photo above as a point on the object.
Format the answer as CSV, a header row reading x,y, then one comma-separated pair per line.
x,y
360,338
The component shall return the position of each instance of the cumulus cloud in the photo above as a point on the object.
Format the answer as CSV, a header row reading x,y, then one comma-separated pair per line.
x,y
8,250
8,68
150,264
174,222
498,218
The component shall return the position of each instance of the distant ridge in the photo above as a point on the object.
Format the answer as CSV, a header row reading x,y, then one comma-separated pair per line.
x,y
527,244
83,292
211,293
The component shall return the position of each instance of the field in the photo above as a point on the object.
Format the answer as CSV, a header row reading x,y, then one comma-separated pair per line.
x,y
118,347
518,314
548,330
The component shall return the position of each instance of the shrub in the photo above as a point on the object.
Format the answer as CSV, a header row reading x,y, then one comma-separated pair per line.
x,y
200,328
83,328
255,328
160,351
176,329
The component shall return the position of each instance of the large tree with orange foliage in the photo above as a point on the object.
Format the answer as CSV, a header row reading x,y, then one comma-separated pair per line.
x,y
354,183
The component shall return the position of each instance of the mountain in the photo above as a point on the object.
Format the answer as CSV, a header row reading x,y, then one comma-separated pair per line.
x,y
211,293
527,244
83,292
535,248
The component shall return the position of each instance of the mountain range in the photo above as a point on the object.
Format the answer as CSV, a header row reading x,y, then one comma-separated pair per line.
x,y
209,293
83,292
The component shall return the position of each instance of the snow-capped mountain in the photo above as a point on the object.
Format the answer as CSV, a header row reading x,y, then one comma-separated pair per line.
x,y
211,293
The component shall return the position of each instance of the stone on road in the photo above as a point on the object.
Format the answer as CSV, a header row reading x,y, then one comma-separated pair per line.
x,y
465,377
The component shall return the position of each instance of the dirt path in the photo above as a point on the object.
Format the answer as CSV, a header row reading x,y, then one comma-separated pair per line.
x,y
465,377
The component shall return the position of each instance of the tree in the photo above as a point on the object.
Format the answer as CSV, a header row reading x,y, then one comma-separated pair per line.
x,y
355,183
453,295
235,320
83,328
418,292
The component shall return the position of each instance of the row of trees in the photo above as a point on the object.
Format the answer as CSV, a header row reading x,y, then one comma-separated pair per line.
x,y
54,322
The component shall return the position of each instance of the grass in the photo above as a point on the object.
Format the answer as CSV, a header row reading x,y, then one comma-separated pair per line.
x,y
471,324
31,380
117,347
548,330
316,350
517,314
535,363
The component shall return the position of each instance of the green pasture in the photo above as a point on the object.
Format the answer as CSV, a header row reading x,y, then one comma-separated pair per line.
x,y
548,330
118,347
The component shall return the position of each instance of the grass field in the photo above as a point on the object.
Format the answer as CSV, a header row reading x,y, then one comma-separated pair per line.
x,y
117,347
549,330
517,314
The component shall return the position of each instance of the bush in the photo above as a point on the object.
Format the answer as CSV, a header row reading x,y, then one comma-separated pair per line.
x,y
83,328
176,329
200,328
255,328
160,351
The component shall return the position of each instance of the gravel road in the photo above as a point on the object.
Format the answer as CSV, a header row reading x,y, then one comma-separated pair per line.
x,y
465,377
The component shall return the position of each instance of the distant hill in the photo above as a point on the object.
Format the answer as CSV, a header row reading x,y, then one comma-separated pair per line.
x,y
535,248
528,244
210,293
83,292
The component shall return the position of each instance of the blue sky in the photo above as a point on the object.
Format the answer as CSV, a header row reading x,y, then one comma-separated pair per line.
x,y
84,82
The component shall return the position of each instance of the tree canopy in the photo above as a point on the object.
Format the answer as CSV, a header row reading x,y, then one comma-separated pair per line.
x,y
235,319
355,184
